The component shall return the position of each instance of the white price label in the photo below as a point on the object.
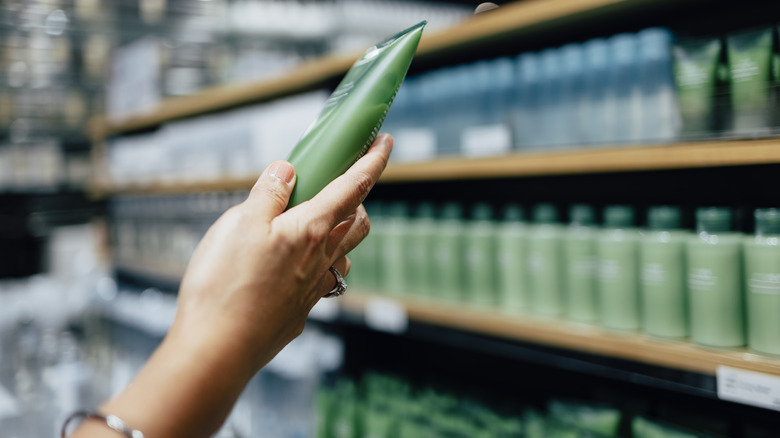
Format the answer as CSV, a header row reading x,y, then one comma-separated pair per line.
x,y
386,315
749,387
488,140
326,310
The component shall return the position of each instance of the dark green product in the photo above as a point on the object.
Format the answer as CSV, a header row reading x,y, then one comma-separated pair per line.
x,y
715,281
696,73
662,263
579,253
750,65
618,279
643,428
480,257
352,115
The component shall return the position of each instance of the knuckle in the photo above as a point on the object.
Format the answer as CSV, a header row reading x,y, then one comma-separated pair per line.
x,y
363,182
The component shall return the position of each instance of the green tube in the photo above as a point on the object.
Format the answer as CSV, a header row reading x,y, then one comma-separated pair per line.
x,y
579,253
695,72
618,281
448,260
750,66
353,114
512,247
480,257
419,250
545,271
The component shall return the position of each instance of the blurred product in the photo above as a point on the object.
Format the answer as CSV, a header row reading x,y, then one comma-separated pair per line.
x,y
480,257
545,270
580,261
750,55
762,282
511,259
618,280
696,64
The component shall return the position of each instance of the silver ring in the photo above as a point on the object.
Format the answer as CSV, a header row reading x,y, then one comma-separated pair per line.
x,y
340,287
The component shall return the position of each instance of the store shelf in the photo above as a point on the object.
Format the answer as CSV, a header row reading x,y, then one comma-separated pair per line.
x,y
580,338
523,18
522,164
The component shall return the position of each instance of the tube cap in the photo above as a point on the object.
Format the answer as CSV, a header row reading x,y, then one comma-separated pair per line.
x,y
618,216
713,219
581,214
452,210
664,218
767,220
482,212
424,210
545,214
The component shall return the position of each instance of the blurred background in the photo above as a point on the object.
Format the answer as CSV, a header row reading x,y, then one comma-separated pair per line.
x,y
103,197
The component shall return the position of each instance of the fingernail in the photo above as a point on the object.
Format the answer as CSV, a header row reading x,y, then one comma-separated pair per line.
x,y
282,170
385,140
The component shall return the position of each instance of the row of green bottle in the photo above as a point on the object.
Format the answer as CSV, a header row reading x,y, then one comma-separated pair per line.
x,y
716,286
381,406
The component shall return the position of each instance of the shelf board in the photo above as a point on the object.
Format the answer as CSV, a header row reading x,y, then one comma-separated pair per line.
x,y
524,164
582,338
518,19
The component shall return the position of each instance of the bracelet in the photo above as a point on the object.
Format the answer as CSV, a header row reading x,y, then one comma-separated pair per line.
x,y
112,421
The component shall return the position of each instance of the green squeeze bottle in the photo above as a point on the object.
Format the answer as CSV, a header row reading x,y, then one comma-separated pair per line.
x,y
448,253
395,226
715,281
511,247
545,270
419,250
618,280
480,257
762,282
662,270
579,253
353,114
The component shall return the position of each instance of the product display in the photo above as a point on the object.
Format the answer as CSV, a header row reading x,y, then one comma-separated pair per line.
x,y
662,271
618,279
353,114
480,257
696,68
579,253
762,282
715,281
448,263
511,251
545,278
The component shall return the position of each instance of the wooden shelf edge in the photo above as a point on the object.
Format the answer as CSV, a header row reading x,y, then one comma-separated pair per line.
x,y
576,337
521,164
596,160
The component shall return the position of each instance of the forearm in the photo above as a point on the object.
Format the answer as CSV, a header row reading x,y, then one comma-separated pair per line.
x,y
184,390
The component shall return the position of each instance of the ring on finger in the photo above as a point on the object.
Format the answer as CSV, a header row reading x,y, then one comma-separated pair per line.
x,y
341,285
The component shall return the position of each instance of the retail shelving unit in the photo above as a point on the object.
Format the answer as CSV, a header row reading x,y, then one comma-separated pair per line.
x,y
529,19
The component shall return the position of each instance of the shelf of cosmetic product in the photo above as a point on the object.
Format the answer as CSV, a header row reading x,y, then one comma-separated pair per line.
x,y
519,164
583,338
516,19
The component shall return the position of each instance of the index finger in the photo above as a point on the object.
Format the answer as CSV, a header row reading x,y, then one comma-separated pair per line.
x,y
343,195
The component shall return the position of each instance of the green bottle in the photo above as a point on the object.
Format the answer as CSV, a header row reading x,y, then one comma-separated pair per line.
x,y
419,250
448,253
662,270
511,250
715,281
480,257
395,225
762,282
364,269
618,279
579,253
353,114
545,270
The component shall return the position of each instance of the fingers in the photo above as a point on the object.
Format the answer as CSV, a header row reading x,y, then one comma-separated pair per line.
x,y
343,196
272,191
328,280
349,233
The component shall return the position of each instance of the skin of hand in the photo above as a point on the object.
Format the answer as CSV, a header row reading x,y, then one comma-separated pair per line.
x,y
246,294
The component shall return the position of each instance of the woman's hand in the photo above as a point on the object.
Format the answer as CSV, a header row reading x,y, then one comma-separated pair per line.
x,y
246,293
260,269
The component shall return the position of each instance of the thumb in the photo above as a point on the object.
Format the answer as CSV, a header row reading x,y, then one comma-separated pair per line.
x,y
272,191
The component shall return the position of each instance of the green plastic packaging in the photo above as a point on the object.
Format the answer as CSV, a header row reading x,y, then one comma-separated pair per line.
x,y
715,281
395,226
419,250
696,77
545,270
762,282
599,419
618,279
353,114
644,428
662,270
364,271
448,260
579,251
512,247
750,66
480,257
